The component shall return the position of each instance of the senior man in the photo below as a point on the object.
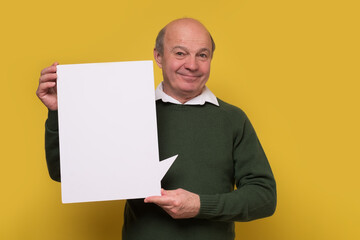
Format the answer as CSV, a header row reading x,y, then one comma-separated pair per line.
x,y
217,145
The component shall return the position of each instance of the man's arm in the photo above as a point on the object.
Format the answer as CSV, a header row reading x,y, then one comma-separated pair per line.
x,y
52,145
255,196
47,93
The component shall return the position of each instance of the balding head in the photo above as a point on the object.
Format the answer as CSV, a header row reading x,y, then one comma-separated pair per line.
x,y
182,22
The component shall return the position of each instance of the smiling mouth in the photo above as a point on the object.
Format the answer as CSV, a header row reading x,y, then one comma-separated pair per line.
x,y
189,77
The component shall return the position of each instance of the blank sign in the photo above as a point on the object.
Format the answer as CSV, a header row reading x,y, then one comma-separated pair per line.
x,y
108,132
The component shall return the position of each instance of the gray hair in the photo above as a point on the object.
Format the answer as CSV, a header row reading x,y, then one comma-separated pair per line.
x,y
159,43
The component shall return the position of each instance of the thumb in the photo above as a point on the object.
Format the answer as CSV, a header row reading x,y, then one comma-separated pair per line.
x,y
163,192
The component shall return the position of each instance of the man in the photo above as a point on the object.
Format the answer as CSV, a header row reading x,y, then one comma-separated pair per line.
x,y
216,143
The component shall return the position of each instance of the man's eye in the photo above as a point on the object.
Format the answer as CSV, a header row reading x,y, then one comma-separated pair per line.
x,y
203,55
180,53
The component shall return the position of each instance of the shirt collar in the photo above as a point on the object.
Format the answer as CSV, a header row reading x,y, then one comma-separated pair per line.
x,y
205,96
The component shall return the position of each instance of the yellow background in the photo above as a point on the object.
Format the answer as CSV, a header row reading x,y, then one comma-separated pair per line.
x,y
293,66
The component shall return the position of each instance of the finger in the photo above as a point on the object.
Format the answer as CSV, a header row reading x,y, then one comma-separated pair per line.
x,y
152,199
51,69
163,191
169,192
44,87
159,200
49,77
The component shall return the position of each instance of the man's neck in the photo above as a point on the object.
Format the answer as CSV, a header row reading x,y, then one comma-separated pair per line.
x,y
182,98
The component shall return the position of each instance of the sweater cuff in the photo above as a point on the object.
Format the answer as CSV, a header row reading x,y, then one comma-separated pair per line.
x,y
208,206
52,121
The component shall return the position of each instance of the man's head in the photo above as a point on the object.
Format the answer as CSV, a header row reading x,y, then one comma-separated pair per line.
x,y
159,43
184,49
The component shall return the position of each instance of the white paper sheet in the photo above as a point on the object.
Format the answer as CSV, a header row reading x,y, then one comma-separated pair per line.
x,y
108,132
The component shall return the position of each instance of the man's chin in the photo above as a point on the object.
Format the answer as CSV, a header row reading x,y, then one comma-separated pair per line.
x,y
190,92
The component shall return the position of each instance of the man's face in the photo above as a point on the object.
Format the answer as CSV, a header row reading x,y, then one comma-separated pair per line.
x,y
186,59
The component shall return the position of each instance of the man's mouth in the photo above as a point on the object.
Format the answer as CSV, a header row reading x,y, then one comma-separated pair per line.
x,y
190,77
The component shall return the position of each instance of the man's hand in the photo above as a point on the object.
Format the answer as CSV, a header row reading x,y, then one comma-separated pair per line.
x,y
177,203
47,91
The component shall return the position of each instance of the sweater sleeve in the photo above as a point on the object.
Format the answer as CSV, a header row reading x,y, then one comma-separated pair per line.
x,y
255,195
52,145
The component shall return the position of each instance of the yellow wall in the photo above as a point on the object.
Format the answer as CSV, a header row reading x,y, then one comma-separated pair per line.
x,y
293,66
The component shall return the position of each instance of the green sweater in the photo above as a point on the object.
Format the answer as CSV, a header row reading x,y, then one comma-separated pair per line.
x,y
218,148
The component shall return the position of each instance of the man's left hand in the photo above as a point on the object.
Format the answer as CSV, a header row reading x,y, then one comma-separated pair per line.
x,y
177,203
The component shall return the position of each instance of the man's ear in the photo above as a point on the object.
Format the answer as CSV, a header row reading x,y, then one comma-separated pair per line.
x,y
158,58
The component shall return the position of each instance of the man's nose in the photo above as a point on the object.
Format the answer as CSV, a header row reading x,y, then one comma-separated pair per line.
x,y
191,63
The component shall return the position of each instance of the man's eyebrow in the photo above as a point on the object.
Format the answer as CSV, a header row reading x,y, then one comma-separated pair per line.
x,y
185,49
204,50
181,47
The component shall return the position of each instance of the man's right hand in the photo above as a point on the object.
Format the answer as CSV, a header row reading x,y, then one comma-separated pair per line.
x,y
47,91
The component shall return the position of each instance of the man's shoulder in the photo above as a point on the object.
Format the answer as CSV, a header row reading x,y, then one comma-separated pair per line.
x,y
234,114
231,109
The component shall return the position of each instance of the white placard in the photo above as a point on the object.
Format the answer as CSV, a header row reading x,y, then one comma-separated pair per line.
x,y
108,132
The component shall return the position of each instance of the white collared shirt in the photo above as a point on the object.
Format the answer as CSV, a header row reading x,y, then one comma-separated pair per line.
x,y
205,96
